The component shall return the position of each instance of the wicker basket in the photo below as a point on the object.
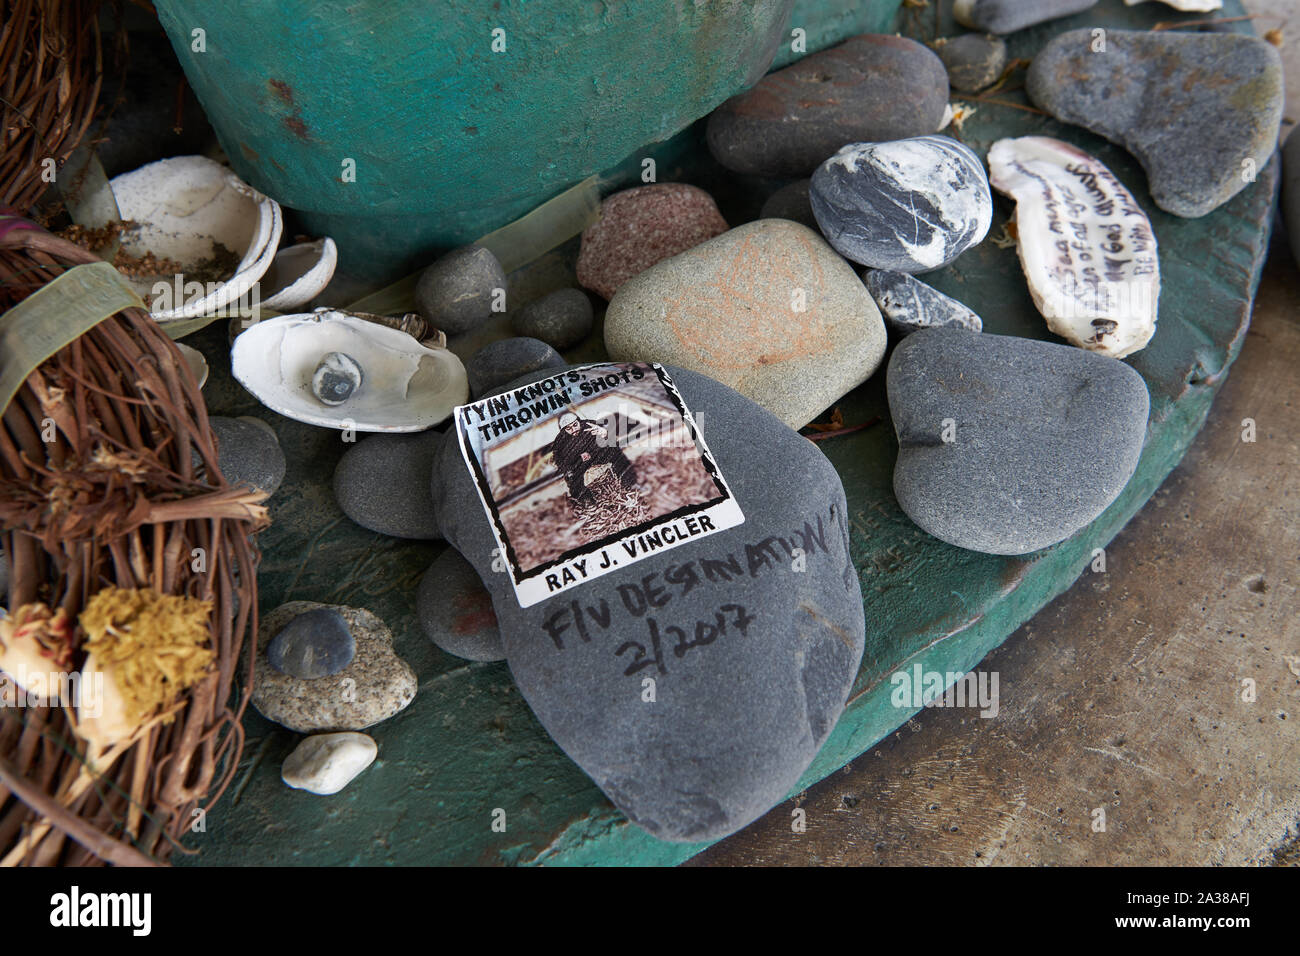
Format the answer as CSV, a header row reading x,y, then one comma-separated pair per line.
x,y
99,487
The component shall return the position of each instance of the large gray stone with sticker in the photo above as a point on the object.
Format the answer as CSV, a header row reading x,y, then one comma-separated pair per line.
x,y
734,721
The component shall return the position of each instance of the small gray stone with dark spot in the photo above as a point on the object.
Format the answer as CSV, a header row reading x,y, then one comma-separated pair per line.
x,y
457,292
973,60
382,483
1008,16
1008,445
375,685
248,453
909,305
456,610
315,644
560,319
1200,111
494,365
769,643
791,202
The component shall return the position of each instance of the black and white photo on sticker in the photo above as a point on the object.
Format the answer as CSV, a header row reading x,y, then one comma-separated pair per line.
x,y
590,469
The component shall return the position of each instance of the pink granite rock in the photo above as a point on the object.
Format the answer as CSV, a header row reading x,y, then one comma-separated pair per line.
x,y
642,226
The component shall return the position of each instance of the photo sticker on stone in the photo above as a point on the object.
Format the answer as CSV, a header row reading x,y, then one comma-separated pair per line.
x,y
591,469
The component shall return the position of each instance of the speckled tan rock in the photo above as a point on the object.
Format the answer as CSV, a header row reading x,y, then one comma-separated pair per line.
x,y
768,308
376,685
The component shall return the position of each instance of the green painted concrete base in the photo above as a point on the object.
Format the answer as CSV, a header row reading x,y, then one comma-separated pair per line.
x,y
468,745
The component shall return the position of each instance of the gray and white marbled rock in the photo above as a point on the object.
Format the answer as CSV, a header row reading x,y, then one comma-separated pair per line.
x,y
457,292
1100,289
1200,111
1008,16
375,685
769,645
973,60
560,319
315,644
456,610
791,202
767,308
1291,192
909,305
248,453
1009,445
872,87
908,206
326,763
494,365
382,483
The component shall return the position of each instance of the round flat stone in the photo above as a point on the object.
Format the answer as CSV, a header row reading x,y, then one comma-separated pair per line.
x,y
456,610
382,483
767,308
870,88
639,227
457,292
316,643
1200,111
1009,445
560,319
248,453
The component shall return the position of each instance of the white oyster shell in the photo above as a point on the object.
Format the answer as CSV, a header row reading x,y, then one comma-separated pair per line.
x,y
406,386
1086,246
185,208
1187,6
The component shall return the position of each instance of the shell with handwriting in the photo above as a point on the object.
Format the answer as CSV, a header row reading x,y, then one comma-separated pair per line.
x,y
1086,246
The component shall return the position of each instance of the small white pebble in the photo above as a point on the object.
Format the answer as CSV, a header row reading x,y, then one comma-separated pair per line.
x,y
326,763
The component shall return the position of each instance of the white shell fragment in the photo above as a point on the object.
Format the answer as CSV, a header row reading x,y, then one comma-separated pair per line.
x,y
298,274
1085,244
1187,6
194,211
405,386
326,763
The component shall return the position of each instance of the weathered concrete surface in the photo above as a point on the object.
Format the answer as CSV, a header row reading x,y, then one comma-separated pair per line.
x,y
1126,692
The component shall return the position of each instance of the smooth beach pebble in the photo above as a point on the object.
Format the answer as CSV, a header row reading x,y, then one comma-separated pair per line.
x,y
909,305
1008,445
639,227
316,643
768,309
870,88
1008,16
248,453
456,610
326,763
1200,111
382,483
737,715
973,60
909,206
457,292
494,365
560,319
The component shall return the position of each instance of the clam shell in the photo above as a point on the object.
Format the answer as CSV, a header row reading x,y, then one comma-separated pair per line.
x,y
186,208
298,274
406,386
1086,246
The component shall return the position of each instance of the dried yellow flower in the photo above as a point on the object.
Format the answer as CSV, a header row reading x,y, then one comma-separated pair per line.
x,y
156,645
